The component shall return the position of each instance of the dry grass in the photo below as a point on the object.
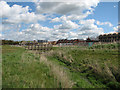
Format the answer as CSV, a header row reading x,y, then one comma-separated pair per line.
x,y
58,72
60,75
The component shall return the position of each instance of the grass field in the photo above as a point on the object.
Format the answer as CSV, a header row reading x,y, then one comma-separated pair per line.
x,y
99,67
21,70
0,67
66,67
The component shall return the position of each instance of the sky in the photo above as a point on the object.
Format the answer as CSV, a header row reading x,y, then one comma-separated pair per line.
x,y
52,21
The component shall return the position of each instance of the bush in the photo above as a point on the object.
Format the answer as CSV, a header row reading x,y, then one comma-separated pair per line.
x,y
113,85
105,46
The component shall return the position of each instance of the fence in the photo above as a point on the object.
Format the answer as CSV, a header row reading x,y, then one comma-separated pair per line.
x,y
43,47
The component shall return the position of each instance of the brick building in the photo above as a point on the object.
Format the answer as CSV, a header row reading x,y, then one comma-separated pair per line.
x,y
63,42
111,37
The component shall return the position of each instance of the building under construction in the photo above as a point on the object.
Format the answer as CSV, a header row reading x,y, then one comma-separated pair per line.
x,y
109,38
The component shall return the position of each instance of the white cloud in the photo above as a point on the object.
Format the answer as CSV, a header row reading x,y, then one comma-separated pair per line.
x,y
70,17
18,14
78,17
71,9
62,30
89,28
55,19
0,27
34,31
67,24
88,21
67,29
72,35
66,7
115,29
104,23
26,18
1,36
85,28
7,27
8,11
114,6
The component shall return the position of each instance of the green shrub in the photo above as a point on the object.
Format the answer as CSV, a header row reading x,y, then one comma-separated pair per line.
x,y
113,85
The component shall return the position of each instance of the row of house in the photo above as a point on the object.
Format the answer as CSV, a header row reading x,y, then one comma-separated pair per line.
x,y
81,42
60,42
105,38
69,42
111,37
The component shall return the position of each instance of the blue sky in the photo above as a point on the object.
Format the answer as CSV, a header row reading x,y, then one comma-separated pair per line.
x,y
104,17
30,4
106,11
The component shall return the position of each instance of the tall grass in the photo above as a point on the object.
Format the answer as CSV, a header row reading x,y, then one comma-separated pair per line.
x,y
63,67
100,67
105,46
0,67
21,69
58,71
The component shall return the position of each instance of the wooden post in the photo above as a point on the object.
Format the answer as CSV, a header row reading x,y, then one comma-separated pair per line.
x,y
50,46
32,47
38,47
47,47
35,47
41,46
28,46
44,48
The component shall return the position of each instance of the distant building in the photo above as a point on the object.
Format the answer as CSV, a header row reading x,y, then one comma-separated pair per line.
x,y
23,43
111,37
91,41
53,42
42,41
63,42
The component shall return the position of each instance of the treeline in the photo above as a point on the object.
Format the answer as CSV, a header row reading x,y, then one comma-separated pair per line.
x,y
10,42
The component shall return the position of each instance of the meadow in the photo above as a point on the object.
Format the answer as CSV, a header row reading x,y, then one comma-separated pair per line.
x,y
62,67
21,70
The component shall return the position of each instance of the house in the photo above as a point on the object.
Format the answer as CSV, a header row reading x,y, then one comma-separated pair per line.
x,y
81,42
53,42
91,41
42,41
23,43
63,42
